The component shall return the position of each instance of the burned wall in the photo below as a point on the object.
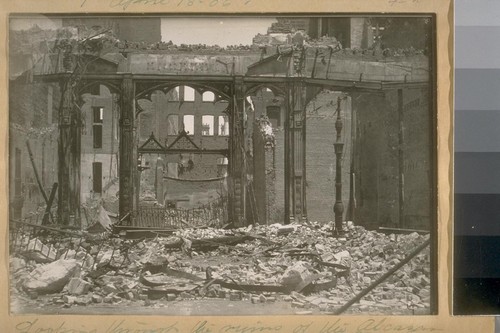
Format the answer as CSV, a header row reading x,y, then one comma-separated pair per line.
x,y
33,110
320,156
382,175
418,156
99,144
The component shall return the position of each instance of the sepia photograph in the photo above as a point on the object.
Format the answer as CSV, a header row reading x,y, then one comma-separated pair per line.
x,y
222,165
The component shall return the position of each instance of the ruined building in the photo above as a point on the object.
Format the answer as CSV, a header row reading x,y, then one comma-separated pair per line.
x,y
261,134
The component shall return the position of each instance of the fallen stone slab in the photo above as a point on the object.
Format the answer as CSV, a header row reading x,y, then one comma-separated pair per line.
x,y
298,274
51,278
285,230
97,299
83,300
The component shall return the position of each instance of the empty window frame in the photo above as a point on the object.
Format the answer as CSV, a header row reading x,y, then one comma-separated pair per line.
x,y
97,177
146,122
207,125
172,124
174,94
97,123
188,124
189,94
222,163
274,115
208,96
173,170
223,125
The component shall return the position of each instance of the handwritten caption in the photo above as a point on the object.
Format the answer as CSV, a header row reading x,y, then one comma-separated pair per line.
x,y
307,326
402,2
126,4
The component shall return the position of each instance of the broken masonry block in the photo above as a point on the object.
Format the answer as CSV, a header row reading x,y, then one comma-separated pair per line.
x,y
69,299
83,300
97,299
285,230
77,286
299,273
109,289
296,304
235,296
303,312
130,296
51,278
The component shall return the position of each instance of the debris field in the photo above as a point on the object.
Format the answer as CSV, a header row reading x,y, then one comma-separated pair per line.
x,y
302,265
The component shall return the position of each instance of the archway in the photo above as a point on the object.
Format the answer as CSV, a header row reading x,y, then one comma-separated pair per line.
x,y
183,138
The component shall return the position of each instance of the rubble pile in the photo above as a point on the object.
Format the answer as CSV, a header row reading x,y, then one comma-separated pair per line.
x,y
300,264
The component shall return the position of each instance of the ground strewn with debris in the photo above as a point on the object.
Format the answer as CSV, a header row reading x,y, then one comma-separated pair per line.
x,y
294,269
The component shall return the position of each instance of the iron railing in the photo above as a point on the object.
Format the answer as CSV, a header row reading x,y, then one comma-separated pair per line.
x,y
213,214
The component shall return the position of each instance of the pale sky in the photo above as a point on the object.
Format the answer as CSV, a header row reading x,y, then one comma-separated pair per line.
x,y
28,21
222,31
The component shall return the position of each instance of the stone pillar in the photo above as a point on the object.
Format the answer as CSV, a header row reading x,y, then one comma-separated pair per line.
x,y
69,158
128,150
295,152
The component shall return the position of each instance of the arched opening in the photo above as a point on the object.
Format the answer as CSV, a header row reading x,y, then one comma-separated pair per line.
x,y
265,134
190,137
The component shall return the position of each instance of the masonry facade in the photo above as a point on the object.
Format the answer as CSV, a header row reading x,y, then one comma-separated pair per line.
x,y
185,127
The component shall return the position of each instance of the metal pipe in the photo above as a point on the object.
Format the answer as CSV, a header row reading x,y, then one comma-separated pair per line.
x,y
420,231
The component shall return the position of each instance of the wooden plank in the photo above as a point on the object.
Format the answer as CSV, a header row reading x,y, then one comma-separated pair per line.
x,y
47,213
